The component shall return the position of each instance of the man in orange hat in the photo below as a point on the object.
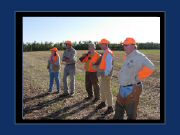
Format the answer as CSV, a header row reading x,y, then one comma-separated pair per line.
x,y
91,79
54,67
136,68
106,65
69,58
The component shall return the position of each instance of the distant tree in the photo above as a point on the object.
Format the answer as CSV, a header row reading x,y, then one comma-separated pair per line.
x,y
81,45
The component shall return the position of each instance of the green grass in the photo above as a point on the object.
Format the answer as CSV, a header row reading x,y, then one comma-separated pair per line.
x,y
115,90
152,52
35,65
36,73
80,77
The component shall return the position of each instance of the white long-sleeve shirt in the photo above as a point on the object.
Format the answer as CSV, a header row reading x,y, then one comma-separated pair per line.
x,y
109,64
133,64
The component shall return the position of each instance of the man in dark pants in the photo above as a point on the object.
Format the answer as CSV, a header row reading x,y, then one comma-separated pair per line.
x,y
135,69
128,104
91,79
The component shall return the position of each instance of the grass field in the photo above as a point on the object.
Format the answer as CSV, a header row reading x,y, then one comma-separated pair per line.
x,y
38,104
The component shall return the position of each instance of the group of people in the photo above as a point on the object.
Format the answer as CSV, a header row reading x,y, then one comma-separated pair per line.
x,y
135,69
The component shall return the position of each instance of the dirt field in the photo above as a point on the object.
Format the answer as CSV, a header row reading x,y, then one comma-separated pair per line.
x,y
38,104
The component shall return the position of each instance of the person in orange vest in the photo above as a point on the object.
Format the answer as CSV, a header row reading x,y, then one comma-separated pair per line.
x,y
106,65
135,69
91,79
54,67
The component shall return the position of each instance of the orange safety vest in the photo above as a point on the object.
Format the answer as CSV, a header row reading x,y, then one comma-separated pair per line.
x,y
102,65
55,58
89,63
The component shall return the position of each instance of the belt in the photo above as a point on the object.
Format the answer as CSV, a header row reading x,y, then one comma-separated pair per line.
x,y
132,84
71,64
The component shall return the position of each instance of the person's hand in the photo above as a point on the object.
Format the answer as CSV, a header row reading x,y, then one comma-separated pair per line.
x,y
67,62
103,76
107,73
65,59
84,54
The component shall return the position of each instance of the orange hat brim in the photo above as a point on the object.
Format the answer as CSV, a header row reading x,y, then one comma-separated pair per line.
x,y
55,50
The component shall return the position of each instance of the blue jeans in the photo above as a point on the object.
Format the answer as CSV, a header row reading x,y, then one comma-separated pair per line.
x,y
56,76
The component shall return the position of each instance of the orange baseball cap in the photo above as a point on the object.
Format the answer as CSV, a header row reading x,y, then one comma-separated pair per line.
x,y
68,43
104,41
129,41
54,49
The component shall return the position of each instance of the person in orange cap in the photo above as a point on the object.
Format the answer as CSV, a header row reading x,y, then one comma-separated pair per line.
x,y
69,58
91,78
54,67
106,65
136,68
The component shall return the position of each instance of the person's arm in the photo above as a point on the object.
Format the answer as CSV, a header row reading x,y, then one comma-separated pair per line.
x,y
109,60
146,70
84,58
73,58
63,57
48,65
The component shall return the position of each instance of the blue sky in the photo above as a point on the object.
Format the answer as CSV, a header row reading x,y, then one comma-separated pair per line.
x,y
115,29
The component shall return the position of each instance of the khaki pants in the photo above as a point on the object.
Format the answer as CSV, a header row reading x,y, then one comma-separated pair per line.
x,y
69,70
106,94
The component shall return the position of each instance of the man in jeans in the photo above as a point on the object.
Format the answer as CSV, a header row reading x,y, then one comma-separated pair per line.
x,y
91,79
69,58
136,68
54,67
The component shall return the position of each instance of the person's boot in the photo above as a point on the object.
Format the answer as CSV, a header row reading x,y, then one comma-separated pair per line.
x,y
95,100
49,91
65,94
56,92
88,98
101,105
71,94
109,110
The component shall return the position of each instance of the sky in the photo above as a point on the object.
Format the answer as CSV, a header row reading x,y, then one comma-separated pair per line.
x,y
115,29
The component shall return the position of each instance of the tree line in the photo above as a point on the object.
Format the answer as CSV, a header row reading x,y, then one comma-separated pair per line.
x,y
81,45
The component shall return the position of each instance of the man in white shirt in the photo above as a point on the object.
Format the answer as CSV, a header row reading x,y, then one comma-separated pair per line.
x,y
106,65
136,68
